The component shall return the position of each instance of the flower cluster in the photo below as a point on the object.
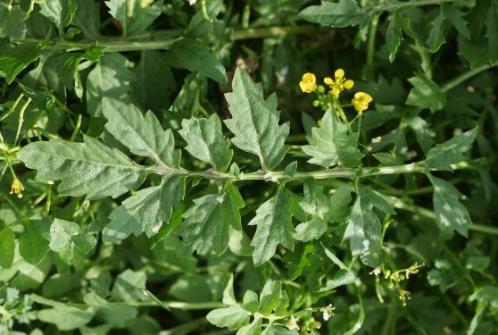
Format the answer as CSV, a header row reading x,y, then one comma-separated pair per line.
x,y
339,83
16,187
336,86
394,278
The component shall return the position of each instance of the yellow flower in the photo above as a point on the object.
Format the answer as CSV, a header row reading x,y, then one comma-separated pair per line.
x,y
308,83
16,187
361,101
339,83
404,295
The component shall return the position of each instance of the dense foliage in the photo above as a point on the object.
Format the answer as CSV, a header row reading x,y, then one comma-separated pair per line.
x,y
251,167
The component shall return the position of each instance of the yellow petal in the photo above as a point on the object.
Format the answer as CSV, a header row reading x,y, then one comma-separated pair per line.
x,y
328,80
348,84
308,83
339,74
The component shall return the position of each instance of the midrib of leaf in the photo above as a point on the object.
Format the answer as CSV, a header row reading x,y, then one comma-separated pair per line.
x,y
272,215
211,159
247,101
134,167
144,142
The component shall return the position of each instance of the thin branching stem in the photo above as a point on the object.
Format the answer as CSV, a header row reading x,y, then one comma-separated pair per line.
x,y
278,176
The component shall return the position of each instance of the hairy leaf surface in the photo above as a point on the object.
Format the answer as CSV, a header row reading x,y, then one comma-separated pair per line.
x,y
255,120
89,168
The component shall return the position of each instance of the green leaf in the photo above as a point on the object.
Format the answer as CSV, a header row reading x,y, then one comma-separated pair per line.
x,y
144,136
60,12
254,328
255,121
12,22
154,81
88,168
330,144
32,245
196,56
130,286
232,317
250,301
135,16
206,225
110,78
274,226
311,230
486,294
66,317
114,314
364,227
61,233
270,297
228,292
491,23
423,132
145,211
443,155
341,14
451,214
15,59
394,35
455,16
7,247
425,94
87,17
206,142
436,35
341,278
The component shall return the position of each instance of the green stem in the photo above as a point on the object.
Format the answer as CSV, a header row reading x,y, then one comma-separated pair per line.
x,y
278,176
254,33
388,324
186,306
160,39
400,204
466,75
372,34
425,62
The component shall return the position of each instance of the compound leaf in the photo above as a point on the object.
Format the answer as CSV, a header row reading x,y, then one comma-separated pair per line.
x,y
451,214
110,78
144,136
89,168
197,57
15,59
443,155
12,22
331,144
60,12
364,227
205,141
394,35
425,94
232,317
207,223
274,226
341,14
255,121
145,211
135,16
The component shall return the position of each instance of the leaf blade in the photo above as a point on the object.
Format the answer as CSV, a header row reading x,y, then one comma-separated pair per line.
x,y
255,120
